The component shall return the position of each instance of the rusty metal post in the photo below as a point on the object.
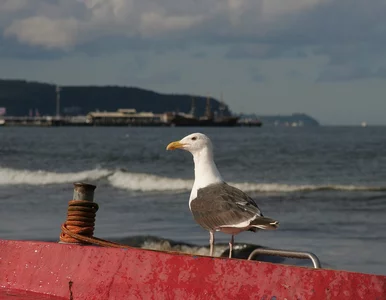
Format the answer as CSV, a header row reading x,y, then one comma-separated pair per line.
x,y
84,191
81,215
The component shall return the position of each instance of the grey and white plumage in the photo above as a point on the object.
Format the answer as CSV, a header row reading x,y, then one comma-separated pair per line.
x,y
215,205
221,207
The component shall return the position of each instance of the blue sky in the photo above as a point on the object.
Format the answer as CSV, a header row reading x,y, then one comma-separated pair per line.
x,y
322,57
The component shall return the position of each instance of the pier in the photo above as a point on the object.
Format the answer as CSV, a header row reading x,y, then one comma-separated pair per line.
x,y
43,121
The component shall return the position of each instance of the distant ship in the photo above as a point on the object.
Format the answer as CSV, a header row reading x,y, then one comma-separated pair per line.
x,y
187,120
182,119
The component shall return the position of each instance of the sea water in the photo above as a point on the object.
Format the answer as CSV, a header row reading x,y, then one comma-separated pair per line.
x,y
326,186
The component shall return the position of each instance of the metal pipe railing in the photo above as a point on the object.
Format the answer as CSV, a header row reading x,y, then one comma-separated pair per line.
x,y
289,254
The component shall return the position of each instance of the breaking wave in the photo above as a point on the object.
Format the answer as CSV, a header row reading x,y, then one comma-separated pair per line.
x,y
274,187
147,182
153,183
12,176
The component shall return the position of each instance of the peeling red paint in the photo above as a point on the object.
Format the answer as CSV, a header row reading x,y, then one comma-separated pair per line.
x,y
107,273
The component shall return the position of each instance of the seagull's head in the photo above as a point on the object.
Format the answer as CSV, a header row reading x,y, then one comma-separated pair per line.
x,y
194,143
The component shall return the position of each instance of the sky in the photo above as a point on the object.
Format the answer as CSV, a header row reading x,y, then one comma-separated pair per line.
x,y
326,58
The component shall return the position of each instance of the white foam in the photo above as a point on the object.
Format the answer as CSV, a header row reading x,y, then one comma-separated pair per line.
x,y
12,176
275,187
148,182
153,183
195,250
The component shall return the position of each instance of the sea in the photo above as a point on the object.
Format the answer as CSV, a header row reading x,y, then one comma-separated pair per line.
x,y
325,185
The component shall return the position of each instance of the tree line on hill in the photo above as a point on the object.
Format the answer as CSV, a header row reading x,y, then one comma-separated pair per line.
x,y
19,97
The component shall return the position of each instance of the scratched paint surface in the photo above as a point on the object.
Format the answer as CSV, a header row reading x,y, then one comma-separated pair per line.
x,y
6,294
89,272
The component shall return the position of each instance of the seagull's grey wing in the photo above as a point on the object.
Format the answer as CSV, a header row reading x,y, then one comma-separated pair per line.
x,y
219,205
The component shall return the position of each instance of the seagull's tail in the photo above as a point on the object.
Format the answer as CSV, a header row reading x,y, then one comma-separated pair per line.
x,y
265,223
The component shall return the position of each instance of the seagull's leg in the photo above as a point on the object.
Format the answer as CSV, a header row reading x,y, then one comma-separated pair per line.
x,y
231,245
211,243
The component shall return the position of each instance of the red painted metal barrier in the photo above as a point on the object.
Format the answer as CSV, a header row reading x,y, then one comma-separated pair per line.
x,y
89,272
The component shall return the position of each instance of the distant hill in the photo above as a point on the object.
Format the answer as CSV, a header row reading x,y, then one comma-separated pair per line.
x,y
19,96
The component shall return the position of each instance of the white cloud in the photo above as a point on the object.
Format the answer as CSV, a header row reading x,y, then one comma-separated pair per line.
x,y
56,24
153,24
10,6
235,10
347,32
43,31
275,8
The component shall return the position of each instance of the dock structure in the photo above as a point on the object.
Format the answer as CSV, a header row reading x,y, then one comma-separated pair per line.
x,y
126,117
43,121
121,117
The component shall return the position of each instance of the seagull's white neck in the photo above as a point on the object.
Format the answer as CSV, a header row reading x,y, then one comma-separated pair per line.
x,y
205,171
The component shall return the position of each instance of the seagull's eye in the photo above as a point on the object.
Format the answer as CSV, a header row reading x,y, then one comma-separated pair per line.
x,y
194,138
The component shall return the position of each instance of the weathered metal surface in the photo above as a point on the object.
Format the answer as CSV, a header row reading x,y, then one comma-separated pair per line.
x,y
81,214
88,272
84,191
6,294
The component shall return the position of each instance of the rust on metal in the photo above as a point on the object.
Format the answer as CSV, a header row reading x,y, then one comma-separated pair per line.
x,y
81,214
70,289
80,222
83,191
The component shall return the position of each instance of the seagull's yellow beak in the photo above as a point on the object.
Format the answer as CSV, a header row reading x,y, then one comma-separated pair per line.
x,y
175,145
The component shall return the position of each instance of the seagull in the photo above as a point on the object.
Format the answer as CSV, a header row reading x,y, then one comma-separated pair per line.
x,y
216,205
